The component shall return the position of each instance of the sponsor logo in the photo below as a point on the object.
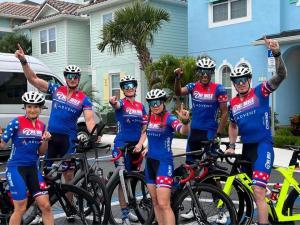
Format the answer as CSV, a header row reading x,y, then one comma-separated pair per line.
x,y
268,161
61,96
202,96
28,132
170,170
243,105
133,111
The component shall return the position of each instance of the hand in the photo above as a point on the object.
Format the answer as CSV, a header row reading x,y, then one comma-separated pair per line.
x,y
229,151
137,148
46,136
113,100
183,114
178,73
1,131
20,53
145,151
271,44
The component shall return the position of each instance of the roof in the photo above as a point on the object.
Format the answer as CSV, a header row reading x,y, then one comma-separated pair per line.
x,y
18,10
282,37
28,2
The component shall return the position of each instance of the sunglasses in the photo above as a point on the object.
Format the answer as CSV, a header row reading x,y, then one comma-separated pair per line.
x,y
207,72
155,103
72,76
239,80
128,86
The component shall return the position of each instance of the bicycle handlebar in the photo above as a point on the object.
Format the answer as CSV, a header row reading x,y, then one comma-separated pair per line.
x,y
128,148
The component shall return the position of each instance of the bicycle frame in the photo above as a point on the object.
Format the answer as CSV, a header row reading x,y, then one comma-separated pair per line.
x,y
274,210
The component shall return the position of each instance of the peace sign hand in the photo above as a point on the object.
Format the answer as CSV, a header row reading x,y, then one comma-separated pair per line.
x,y
272,44
182,113
20,53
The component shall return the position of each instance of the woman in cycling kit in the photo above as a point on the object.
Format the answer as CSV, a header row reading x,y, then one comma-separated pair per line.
x,y
29,139
132,118
159,165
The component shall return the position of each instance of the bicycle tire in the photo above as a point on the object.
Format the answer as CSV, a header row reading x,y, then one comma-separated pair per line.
x,y
241,197
289,206
97,189
140,202
213,195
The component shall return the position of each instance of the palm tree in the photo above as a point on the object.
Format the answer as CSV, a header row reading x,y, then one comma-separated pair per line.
x,y
135,25
9,41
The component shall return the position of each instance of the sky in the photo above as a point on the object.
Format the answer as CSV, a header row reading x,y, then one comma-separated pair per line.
x,y
37,1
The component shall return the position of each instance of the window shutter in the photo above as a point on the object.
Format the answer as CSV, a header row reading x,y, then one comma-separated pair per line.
x,y
106,88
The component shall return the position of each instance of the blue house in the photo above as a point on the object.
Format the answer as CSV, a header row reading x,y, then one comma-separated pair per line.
x,y
232,31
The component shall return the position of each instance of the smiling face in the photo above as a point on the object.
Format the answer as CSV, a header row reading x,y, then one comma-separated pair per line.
x,y
205,75
156,106
33,111
242,84
72,80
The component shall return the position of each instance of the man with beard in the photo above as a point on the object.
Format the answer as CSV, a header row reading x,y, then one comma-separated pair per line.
x,y
67,105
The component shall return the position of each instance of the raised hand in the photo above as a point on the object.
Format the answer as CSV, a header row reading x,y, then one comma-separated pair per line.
x,y
182,113
271,44
178,73
46,136
20,53
113,100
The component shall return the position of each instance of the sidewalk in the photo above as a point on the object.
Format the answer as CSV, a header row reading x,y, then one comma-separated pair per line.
x,y
282,156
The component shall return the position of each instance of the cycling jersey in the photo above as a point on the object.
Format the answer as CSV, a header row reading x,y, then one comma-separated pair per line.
x,y
160,133
26,140
205,104
252,114
130,119
65,112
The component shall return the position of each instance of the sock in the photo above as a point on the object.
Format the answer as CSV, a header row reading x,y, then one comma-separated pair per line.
x,y
125,213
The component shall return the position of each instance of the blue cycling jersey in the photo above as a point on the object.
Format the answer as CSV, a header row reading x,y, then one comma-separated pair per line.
x,y
160,133
66,111
205,104
252,114
130,119
26,140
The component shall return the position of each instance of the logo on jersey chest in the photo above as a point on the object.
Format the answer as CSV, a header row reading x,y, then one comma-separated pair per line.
x,y
244,105
131,111
28,132
203,96
61,96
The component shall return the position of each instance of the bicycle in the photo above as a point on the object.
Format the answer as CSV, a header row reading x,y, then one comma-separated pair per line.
x,y
83,208
133,187
286,209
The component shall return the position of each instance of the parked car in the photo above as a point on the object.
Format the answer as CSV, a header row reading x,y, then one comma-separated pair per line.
x,y
13,84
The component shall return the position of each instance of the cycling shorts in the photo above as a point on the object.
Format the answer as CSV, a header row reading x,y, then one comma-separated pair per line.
x,y
23,178
261,156
159,172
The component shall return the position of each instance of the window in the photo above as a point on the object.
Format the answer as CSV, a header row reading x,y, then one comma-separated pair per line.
x,y
115,84
49,78
226,81
48,40
229,12
12,87
106,18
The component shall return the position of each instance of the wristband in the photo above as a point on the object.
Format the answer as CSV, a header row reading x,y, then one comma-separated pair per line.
x,y
231,145
185,122
276,54
23,61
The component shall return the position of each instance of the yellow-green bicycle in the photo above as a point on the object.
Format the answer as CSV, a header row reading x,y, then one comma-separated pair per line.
x,y
287,208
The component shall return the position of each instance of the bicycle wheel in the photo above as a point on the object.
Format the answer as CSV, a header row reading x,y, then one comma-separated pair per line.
x,y
239,194
97,189
82,209
291,206
139,200
208,201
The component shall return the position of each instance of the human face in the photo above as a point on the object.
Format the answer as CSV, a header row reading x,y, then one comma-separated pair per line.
x,y
72,80
241,84
156,106
33,111
205,75
129,89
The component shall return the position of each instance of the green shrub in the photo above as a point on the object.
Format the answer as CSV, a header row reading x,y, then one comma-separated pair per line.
x,y
282,140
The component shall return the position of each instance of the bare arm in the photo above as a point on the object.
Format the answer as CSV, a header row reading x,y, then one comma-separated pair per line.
x,y
232,132
2,144
43,147
143,137
29,74
89,119
177,86
224,117
185,129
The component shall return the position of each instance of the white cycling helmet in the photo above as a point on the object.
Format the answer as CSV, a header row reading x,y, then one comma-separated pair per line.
x,y
126,79
33,97
206,63
241,71
72,69
156,94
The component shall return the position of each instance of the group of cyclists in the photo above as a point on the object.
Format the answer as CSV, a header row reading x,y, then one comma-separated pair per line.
x,y
248,112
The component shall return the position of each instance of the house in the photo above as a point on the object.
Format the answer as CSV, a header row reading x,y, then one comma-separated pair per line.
x,y
68,33
232,31
12,14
